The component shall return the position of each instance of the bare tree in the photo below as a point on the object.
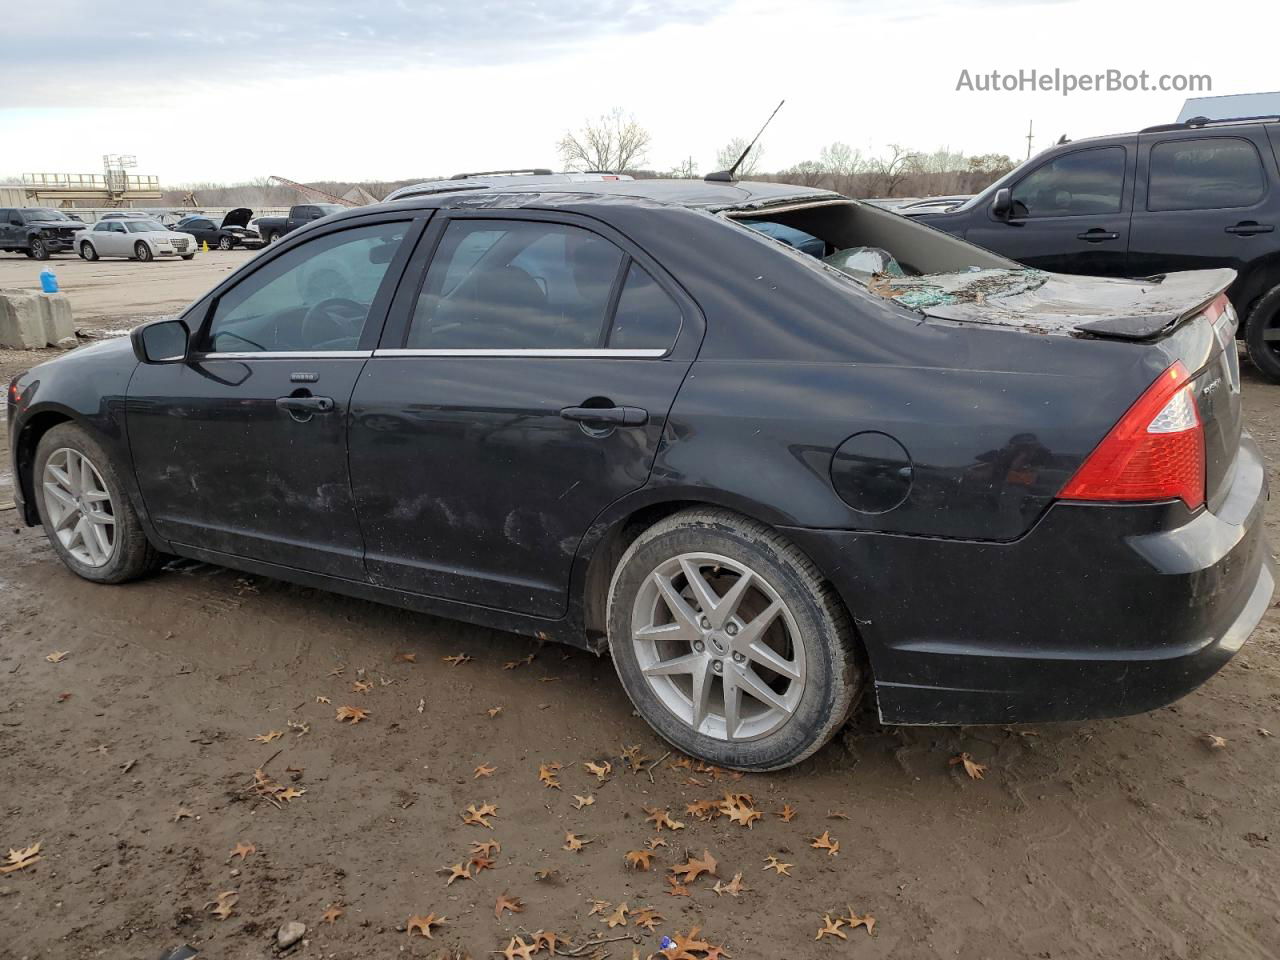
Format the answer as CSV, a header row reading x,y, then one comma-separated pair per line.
x,y
807,173
687,170
893,168
615,143
728,155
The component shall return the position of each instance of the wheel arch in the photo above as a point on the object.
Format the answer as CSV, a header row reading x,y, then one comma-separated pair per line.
x,y
34,427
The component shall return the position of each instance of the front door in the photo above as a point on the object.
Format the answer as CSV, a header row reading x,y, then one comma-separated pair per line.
x,y
1070,214
243,449
522,387
110,240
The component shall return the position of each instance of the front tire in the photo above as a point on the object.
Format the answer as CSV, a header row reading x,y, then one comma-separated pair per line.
x,y
37,250
87,252
1262,334
86,512
143,252
729,642
226,243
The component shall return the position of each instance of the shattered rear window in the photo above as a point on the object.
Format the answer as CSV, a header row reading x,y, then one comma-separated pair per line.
x,y
966,286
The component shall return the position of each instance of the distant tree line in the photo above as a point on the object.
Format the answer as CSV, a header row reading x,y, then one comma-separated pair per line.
x,y
615,142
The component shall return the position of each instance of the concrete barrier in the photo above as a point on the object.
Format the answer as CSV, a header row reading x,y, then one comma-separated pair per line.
x,y
30,320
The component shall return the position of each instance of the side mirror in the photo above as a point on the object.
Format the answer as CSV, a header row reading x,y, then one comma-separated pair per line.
x,y
165,341
1002,204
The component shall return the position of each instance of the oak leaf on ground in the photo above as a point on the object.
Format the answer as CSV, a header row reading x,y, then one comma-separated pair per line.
x,y
972,767
458,871
825,842
694,868
457,659
478,816
332,913
733,888
21,858
574,843
424,924
547,774
267,737
484,770
508,903
638,859
354,714
661,818
619,917
601,770
831,928
221,905
777,866
242,850
854,921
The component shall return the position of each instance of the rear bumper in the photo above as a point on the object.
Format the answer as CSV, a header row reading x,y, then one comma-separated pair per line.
x,y
1098,611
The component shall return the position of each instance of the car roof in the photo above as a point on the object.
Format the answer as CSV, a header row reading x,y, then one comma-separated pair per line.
x,y
485,181
706,195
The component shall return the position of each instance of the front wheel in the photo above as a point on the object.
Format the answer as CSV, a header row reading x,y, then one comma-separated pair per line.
x,y
38,250
188,256
1262,335
143,252
85,510
729,642
226,243
87,252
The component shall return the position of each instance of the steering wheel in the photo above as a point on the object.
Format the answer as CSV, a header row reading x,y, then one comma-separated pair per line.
x,y
336,318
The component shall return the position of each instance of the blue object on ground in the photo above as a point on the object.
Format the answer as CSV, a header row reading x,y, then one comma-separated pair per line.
x,y
48,281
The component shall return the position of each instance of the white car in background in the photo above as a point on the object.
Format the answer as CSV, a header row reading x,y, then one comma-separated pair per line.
x,y
135,238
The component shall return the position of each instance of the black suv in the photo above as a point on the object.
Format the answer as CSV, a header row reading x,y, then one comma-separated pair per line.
x,y
1183,196
37,231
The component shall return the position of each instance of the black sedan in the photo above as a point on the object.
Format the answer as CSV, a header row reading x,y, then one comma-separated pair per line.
x,y
767,482
225,232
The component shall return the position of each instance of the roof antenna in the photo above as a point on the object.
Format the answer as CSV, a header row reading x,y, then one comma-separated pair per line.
x,y
727,176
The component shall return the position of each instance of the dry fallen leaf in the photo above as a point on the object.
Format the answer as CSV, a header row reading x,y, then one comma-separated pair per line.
x,y
424,924
486,848
320,699
598,906
221,905
1215,742
646,917
544,938
581,802
633,758
601,770
459,871
787,813
493,712
479,817
732,888
682,945
508,903
547,774
300,727
653,843
661,818
854,921
574,843
972,767
354,714
678,889
331,913
638,859
21,859
182,814
546,874
517,949
484,770
837,815
737,807
704,810
482,863
692,869
58,657
457,659
777,866
361,686
831,928
405,658
242,850
825,842
267,737
292,793
619,917
522,662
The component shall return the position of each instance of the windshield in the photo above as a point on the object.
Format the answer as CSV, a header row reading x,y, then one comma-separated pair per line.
x,y
46,213
144,226
328,208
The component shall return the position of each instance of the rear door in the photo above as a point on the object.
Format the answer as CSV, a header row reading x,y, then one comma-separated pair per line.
x,y
1204,201
243,449
1070,213
521,387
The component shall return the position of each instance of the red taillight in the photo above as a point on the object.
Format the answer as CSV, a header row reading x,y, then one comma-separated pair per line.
x,y
1155,452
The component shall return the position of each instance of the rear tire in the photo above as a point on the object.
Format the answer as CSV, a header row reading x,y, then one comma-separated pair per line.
x,y
87,252
143,252
273,236
795,680
123,552
1264,321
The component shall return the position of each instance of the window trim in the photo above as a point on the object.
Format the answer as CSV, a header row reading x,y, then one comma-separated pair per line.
x,y
1125,185
415,278
1257,154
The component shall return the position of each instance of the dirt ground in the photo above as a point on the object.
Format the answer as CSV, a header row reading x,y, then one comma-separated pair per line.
x,y
131,762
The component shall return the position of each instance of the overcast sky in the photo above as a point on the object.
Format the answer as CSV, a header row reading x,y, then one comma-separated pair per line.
x,y
387,89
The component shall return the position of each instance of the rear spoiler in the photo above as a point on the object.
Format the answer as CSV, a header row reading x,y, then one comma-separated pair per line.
x,y
1200,288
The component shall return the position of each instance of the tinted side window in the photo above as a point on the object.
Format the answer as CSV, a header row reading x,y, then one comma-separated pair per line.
x,y
647,318
1075,184
316,297
511,285
1205,174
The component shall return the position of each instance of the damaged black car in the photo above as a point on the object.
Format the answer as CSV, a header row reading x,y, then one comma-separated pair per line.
x,y
770,449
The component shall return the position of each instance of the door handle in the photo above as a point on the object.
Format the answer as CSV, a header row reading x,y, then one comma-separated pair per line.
x,y
622,416
305,404
1247,228
1097,235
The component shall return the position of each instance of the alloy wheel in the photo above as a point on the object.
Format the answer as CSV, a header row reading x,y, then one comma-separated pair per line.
x,y
718,646
79,507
